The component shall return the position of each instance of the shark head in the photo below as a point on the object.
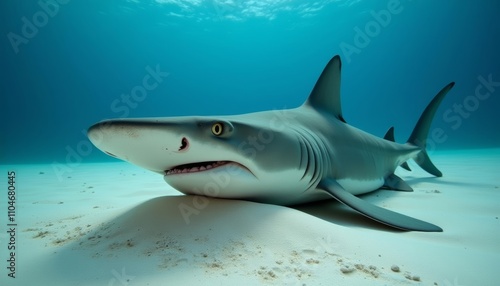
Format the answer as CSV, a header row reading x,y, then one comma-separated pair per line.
x,y
226,156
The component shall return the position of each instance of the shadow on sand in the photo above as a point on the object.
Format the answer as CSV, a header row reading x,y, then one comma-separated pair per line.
x,y
180,234
171,235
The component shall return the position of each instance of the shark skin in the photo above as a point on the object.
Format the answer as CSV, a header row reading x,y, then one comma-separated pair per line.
x,y
284,157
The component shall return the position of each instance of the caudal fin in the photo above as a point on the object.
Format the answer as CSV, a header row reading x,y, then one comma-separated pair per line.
x,y
419,135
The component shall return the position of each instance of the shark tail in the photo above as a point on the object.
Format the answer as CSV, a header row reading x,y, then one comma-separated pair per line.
x,y
419,135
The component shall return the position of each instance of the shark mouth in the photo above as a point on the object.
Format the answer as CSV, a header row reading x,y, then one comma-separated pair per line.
x,y
199,167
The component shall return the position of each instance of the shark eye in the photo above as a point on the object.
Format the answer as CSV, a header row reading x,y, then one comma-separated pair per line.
x,y
217,129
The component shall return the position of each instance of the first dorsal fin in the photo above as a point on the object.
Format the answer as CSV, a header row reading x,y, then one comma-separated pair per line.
x,y
326,93
389,135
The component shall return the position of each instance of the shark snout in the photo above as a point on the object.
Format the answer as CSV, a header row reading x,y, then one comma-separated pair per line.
x,y
151,144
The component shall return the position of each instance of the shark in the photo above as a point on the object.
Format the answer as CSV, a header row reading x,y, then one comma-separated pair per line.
x,y
283,157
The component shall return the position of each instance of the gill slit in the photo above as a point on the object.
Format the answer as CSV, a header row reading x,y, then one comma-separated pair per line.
x,y
310,161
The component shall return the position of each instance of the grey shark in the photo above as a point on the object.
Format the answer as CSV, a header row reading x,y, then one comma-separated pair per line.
x,y
286,157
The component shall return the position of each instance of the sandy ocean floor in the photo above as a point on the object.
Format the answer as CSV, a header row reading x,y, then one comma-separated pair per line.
x,y
116,224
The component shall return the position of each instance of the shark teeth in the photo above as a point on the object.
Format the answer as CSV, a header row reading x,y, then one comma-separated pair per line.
x,y
195,167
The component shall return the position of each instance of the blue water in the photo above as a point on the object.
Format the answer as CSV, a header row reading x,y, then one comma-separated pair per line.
x,y
65,65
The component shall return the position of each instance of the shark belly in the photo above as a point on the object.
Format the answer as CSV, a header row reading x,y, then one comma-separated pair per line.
x,y
359,187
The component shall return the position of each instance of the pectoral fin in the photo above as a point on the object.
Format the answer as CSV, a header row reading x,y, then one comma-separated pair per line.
x,y
374,212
